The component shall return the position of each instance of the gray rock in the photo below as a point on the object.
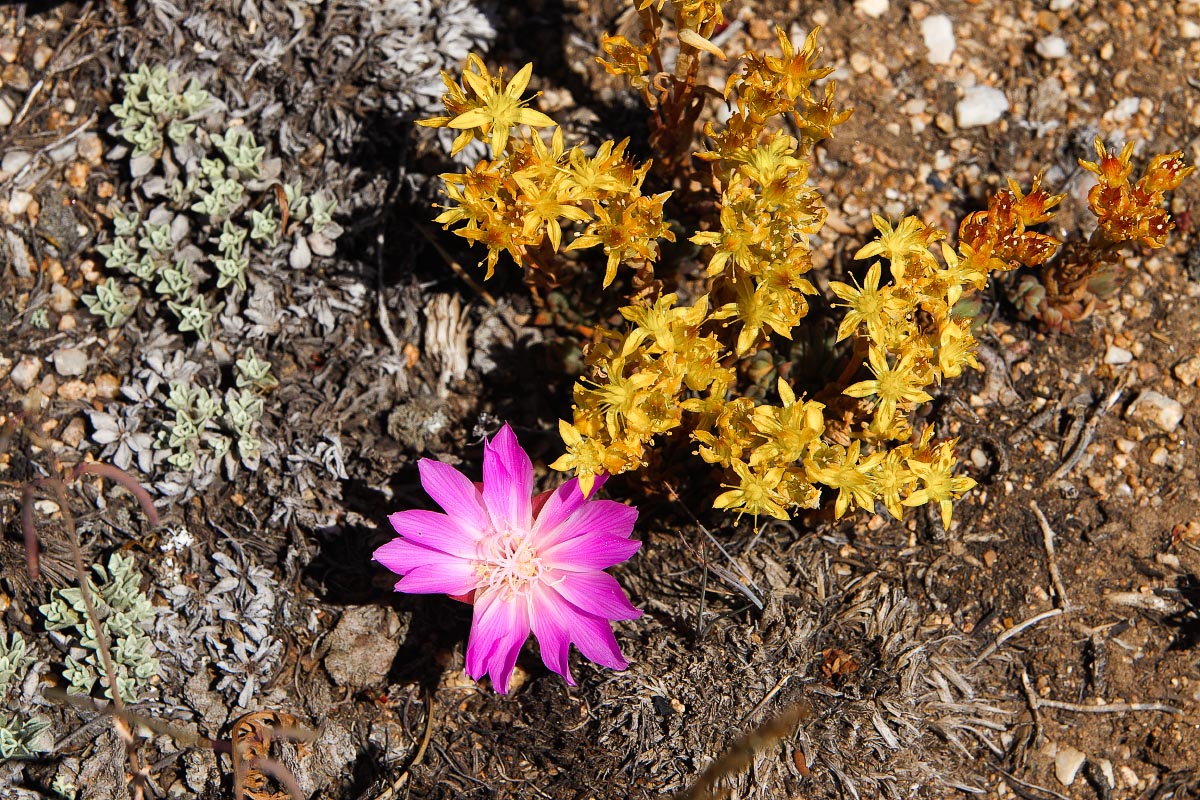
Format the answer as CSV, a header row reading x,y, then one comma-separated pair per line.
x,y
363,644
1154,408
70,362
324,761
25,373
13,161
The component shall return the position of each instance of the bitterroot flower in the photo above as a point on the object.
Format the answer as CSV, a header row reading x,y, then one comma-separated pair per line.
x,y
528,563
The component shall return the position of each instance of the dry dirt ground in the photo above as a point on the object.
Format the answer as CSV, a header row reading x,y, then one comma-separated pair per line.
x,y
1047,646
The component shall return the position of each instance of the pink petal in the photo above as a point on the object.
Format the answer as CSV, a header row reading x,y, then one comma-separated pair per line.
x,y
596,593
561,503
453,579
498,630
437,531
589,552
457,495
605,517
594,638
508,481
539,502
401,555
551,622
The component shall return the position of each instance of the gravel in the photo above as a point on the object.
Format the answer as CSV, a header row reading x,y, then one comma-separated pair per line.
x,y
25,373
1052,47
938,33
981,105
1155,408
70,362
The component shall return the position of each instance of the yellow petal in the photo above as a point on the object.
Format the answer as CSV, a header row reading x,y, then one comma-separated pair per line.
x,y
861,389
529,116
478,83
610,269
693,39
475,118
519,81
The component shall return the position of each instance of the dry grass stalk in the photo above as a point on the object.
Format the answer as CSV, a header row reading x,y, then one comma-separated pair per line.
x,y
741,753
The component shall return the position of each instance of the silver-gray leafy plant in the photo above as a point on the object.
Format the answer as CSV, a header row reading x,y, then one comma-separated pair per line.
x,y
195,188
125,613
210,427
230,626
207,206
19,737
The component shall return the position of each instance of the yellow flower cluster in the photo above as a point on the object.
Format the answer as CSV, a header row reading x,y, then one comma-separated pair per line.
x,y
695,363
517,201
678,365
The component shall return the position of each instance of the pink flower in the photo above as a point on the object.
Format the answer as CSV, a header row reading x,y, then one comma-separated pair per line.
x,y
530,563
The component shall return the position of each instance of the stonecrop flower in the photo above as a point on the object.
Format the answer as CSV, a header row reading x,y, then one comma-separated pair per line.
x,y
527,563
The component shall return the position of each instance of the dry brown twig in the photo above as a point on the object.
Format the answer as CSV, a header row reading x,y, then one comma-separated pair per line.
x,y
1089,429
394,787
1051,556
999,641
59,489
1034,707
454,265
741,753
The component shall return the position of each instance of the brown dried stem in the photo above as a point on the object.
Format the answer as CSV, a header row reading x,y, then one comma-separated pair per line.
x,y
740,754
59,490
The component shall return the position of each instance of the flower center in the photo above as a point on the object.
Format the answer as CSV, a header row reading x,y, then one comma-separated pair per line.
x,y
508,561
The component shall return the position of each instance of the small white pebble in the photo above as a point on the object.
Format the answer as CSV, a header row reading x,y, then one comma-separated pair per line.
x,y
19,202
1106,767
1156,409
1051,47
91,149
872,8
1067,762
1188,371
981,105
1062,5
62,299
1189,29
70,362
1117,355
6,112
25,373
13,161
1126,108
938,33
